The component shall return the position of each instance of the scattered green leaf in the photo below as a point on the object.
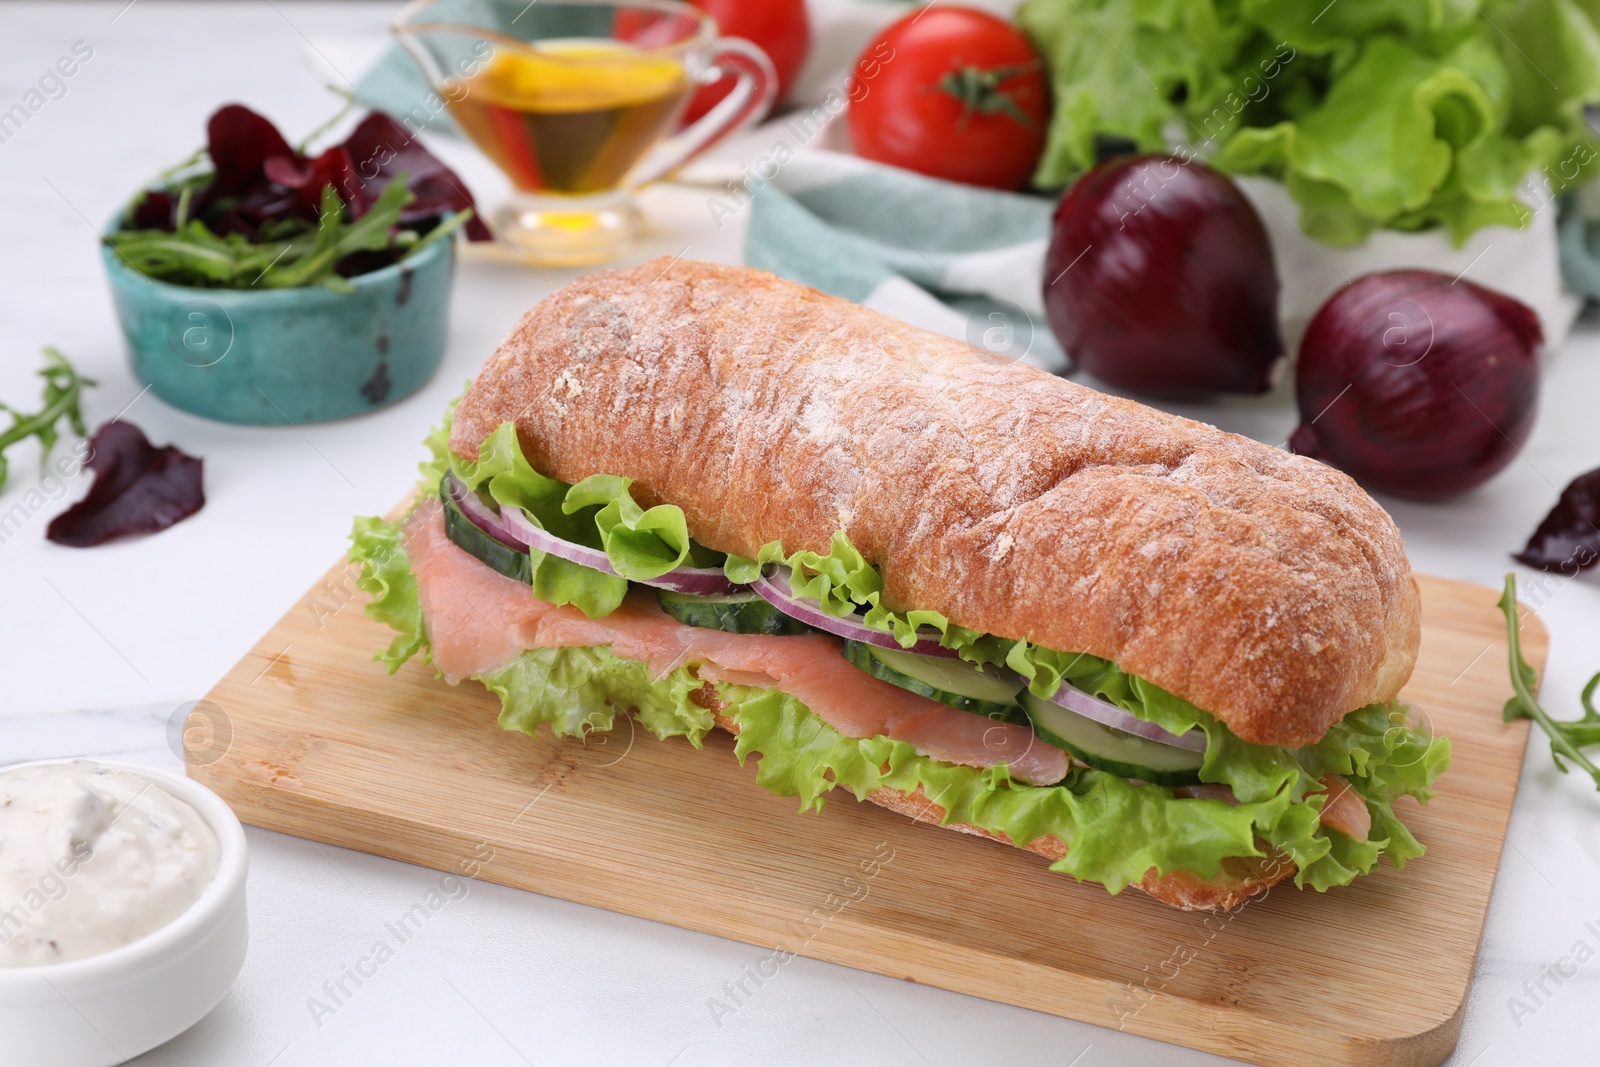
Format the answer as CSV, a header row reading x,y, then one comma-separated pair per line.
x,y
63,394
1567,738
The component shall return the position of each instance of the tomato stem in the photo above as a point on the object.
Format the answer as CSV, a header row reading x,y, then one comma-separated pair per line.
x,y
978,89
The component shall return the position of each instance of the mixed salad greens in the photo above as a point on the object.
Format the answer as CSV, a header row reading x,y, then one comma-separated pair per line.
x,y
1385,113
1277,794
249,211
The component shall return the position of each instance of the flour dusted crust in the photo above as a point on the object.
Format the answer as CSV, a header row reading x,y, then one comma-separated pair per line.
x,y
1266,588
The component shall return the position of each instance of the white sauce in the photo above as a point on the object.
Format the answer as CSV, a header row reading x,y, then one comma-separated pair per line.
x,y
93,858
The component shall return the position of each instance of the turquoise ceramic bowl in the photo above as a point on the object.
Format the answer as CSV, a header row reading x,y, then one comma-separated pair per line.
x,y
286,356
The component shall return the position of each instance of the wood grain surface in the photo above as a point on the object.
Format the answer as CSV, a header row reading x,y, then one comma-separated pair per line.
x,y
308,736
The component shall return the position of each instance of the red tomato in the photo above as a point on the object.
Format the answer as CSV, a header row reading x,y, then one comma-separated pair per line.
x,y
779,28
955,93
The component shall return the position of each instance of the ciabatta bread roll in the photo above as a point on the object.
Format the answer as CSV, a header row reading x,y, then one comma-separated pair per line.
x,y
1264,588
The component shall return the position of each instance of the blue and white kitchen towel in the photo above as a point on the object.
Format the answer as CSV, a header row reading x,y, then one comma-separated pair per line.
x,y
970,262
958,260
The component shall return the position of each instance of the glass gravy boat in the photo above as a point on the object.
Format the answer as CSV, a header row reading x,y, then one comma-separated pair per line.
x,y
578,102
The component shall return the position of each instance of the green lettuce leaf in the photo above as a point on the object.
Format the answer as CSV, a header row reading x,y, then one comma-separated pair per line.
x,y
599,512
1116,67
379,548
577,691
1375,744
845,583
1337,30
1400,114
1400,139
1376,748
437,443
801,756
1551,50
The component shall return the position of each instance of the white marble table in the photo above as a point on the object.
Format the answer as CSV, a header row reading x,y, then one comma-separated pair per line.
x,y
97,648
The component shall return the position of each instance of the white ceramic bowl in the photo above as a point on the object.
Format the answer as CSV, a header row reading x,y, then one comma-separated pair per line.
x,y
105,1009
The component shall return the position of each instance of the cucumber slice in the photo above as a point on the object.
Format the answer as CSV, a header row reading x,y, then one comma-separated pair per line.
x,y
1113,751
949,681
511,562
735,613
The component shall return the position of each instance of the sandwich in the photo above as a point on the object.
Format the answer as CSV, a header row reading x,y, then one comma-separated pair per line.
x,y
982,596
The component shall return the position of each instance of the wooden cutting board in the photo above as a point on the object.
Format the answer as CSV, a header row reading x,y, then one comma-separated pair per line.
x,y
306,735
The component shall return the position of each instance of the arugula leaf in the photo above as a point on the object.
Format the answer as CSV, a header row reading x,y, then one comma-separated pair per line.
x,y
1567,738
336,238
439,232
63,393
193,255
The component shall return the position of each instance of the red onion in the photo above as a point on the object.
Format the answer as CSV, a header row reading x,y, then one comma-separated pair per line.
x,y
531,534
694,581
480,514
1108,714
1416,384
1160,279
776,589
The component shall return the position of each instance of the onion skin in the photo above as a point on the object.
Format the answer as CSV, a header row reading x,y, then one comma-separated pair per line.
x,y
1416,384
1160,280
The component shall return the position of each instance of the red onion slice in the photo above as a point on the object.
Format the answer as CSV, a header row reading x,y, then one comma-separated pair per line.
x,y
693,581
531,534
778,591
1108,714
481,515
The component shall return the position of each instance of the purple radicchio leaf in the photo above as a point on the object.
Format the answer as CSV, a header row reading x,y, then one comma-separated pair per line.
x,y
1568,539
138,489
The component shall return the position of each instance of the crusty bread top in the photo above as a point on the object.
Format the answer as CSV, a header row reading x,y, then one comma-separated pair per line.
x,y
1263,587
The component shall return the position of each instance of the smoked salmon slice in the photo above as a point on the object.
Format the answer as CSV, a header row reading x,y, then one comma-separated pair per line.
x,y
478,620
1345,810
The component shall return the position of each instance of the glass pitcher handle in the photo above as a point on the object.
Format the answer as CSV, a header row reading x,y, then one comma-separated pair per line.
x,y
747,104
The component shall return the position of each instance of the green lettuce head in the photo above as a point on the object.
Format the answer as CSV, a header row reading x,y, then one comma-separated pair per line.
x,y
1380,114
